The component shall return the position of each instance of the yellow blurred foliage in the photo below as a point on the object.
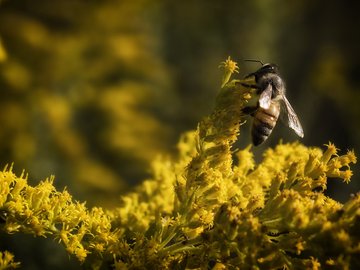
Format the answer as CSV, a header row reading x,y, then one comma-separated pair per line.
x,y
80,94
3,54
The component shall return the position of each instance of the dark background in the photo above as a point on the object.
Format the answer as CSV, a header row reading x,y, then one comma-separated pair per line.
x,y
93,91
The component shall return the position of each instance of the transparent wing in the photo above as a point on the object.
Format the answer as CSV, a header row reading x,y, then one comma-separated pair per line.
x,y
289,117
265,97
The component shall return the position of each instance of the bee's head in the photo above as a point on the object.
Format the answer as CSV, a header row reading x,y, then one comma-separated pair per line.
x,y
269,68
265,70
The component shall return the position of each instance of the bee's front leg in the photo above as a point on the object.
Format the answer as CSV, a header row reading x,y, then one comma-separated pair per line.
x,y
249,85
258,89
249,110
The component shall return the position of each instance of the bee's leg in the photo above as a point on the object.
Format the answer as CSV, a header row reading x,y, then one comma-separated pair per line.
x,y
249,85
249,110
259,90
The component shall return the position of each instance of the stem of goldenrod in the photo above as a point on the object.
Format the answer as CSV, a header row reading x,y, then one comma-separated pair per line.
x,y
170,236
185,245
184,217
267,222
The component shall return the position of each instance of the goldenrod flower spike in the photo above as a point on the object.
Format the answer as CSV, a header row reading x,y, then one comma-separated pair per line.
x,y
229,67
213,207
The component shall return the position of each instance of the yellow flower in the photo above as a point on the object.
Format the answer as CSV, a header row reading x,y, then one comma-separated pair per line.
x,y
229,67
7,261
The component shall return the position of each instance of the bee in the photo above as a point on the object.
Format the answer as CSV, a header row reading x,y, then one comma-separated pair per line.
x,y
271,106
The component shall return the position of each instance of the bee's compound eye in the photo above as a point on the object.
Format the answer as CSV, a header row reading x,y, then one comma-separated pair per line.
x,y
268,66
272,67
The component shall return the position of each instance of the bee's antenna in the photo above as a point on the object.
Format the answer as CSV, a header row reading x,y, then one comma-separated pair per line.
x,y
254,60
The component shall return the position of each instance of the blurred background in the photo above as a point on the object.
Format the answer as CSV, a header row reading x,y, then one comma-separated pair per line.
x,y
93,91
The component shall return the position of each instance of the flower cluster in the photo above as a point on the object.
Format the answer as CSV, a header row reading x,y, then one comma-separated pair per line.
x,y
210,208
43,211
229,67
7,261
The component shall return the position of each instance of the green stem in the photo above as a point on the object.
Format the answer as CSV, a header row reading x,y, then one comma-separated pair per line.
x,y
270,221
183,245
171,236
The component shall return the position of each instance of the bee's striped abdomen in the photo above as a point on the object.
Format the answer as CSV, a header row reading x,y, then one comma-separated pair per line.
x,y
264,122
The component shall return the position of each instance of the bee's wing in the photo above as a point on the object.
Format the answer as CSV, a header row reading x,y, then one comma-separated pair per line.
x,y
265,97
289,117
